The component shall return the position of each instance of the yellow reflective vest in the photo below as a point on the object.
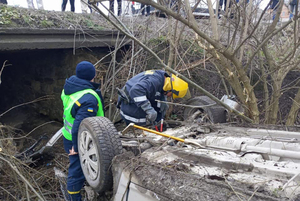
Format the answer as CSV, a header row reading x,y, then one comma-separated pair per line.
x,y
68,102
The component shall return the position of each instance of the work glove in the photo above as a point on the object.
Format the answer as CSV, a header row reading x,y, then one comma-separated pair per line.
x,y
163,108
151,113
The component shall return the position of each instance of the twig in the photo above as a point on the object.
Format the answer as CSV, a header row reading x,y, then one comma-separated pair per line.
x,y
27,193
8,192
253,194
3,66
293,192
49,122
184,105
298,104
232,188
113,75
289,181
34,101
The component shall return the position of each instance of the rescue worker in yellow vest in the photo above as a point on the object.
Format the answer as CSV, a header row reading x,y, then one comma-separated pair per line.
x,y
81,99
137,100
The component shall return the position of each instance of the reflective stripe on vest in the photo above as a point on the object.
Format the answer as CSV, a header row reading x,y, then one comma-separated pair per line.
x,y
68,102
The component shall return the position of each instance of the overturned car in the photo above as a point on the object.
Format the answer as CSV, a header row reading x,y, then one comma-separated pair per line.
x,y
190,162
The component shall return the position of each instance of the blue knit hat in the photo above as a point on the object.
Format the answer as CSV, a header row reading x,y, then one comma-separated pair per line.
x,y
85,70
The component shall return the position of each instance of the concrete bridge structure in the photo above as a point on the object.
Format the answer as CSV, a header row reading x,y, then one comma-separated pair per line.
x,y
30,39
36,62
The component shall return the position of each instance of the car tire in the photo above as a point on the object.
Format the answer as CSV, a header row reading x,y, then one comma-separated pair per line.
x,y
214,114
98,144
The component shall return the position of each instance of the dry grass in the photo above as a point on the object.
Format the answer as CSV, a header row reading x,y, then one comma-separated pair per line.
x,y
24,181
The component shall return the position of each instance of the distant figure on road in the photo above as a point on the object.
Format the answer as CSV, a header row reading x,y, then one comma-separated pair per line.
x,y
87,6
223,2
145,7
38,2
112,6
64,3
274,6
293,4
3,1
97,4
132,8
84,7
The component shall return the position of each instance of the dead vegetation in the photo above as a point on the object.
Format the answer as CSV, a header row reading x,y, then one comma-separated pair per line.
x,y
252,56
23,178
17,17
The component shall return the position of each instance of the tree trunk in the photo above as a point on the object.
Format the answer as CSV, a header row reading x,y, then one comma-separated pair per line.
x,y
244,91
274,103
213,20
265,85
250,100
171,40
245,29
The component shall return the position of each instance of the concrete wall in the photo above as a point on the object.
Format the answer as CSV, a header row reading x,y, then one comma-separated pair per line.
x,y
33,74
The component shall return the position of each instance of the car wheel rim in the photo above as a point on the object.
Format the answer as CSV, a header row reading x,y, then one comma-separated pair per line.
x,y
89,155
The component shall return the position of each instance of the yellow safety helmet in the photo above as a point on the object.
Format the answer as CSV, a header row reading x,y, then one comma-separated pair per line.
x,y
178,87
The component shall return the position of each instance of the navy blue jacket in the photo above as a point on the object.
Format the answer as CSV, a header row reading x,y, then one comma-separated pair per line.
x,y
87,101
142,88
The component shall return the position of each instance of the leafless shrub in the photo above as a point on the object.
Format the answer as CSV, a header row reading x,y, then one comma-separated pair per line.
x,y
21,181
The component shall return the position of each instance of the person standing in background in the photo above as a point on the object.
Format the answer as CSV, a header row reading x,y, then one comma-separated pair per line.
x,y
112,6
274,6
293,6
84,6
145,7
133,8
39,3
64,3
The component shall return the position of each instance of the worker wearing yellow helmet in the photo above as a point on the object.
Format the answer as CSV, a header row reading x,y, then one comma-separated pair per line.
x,y
137,99
176,86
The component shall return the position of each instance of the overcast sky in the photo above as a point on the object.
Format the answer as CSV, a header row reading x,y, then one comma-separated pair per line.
x,y
56,4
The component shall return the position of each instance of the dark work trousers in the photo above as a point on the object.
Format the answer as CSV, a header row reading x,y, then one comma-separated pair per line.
x,y
225,3
147,9
76,177
112,6
64,3
97,4
3,1
292,10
